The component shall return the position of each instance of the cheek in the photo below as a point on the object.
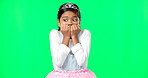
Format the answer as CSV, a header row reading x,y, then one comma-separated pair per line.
x,y
62,23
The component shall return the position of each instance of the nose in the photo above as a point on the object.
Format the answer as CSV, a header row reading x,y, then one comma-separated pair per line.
x,y
69,23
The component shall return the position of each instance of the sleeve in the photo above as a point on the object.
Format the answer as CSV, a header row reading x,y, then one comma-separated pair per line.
x,y
59,51
81,49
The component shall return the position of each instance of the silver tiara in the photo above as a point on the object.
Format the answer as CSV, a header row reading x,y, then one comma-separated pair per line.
x,y
69,5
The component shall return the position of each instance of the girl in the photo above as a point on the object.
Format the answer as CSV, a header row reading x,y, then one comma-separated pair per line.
x,y
69,45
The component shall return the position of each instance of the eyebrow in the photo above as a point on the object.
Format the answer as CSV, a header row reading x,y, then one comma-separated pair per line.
x,y
68,17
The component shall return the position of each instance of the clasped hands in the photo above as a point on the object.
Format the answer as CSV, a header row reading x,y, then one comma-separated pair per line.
x,y
70,31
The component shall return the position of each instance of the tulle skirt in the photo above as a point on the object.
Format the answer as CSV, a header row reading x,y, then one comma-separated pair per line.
x,y
83,73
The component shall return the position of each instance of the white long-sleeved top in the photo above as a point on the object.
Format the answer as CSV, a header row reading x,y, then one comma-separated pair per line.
x,y
70,58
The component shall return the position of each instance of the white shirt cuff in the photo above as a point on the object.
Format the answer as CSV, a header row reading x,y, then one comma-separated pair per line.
x,y
67,49
75,48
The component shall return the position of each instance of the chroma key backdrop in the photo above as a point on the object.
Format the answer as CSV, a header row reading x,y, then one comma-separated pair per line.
x,y
119,42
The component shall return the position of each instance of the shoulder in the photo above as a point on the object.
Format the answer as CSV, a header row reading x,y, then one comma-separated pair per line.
x,y
86,32
53,32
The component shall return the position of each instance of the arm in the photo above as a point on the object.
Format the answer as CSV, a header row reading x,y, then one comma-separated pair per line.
x,y
59,50
75,40
81,49
66,41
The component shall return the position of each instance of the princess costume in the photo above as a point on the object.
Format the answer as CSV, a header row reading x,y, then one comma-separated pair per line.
x,y
70,62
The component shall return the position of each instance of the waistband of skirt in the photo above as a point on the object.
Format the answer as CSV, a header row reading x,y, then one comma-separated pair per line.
x,y
78,71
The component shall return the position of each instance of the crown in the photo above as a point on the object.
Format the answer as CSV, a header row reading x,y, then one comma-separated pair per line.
x,y
69,5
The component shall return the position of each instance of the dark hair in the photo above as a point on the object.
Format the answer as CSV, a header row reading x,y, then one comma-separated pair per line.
x,y
61,11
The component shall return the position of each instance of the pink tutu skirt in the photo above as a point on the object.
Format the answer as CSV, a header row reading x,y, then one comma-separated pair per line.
x,y
83,73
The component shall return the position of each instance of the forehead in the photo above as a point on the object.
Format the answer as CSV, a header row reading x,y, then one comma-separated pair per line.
x,y
69,14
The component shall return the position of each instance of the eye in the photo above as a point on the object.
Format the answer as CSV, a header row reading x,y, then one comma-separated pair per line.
x,y
74,20
65,20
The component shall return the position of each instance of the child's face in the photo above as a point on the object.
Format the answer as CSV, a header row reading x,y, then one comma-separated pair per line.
x,y
69,18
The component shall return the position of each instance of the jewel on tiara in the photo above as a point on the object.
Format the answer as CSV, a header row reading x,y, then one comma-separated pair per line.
x,y
69,5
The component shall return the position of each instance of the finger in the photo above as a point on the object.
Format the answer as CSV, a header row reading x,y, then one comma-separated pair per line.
x,y
74,27
78,26
66,27
71,28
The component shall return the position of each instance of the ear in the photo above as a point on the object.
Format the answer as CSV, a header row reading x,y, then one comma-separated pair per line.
x,y
58,22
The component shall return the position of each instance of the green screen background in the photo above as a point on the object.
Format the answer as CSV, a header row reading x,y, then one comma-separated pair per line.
x,y
119,43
